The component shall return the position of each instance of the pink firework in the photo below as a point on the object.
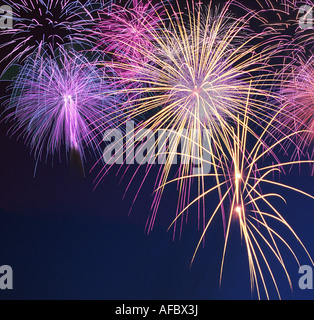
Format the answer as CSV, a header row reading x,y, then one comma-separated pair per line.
x,y
297,92
124,30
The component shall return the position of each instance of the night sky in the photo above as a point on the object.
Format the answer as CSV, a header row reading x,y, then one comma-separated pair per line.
x,y
65,240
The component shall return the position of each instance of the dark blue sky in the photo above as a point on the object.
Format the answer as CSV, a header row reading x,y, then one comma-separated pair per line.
x,y
66,241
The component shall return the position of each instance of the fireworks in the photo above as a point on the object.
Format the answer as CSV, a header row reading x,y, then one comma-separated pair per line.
x,y
202,78
298,100
289,18
44,25
274,16
198,80
241,190
200,85
124,31
59,101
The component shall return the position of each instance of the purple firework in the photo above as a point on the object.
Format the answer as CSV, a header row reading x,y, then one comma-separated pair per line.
x,y
60,101
44,25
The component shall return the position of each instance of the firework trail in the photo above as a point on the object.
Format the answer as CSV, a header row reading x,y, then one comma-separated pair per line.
x,y
44,25
275,16
60,101
291,19
242,181
204,63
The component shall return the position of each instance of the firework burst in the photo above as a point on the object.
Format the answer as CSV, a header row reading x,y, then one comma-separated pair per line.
x,y
297,97
203,64
59,101
124,30
242,179
44,25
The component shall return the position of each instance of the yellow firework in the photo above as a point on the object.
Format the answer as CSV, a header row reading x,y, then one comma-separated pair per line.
x,y
201,64
241,182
